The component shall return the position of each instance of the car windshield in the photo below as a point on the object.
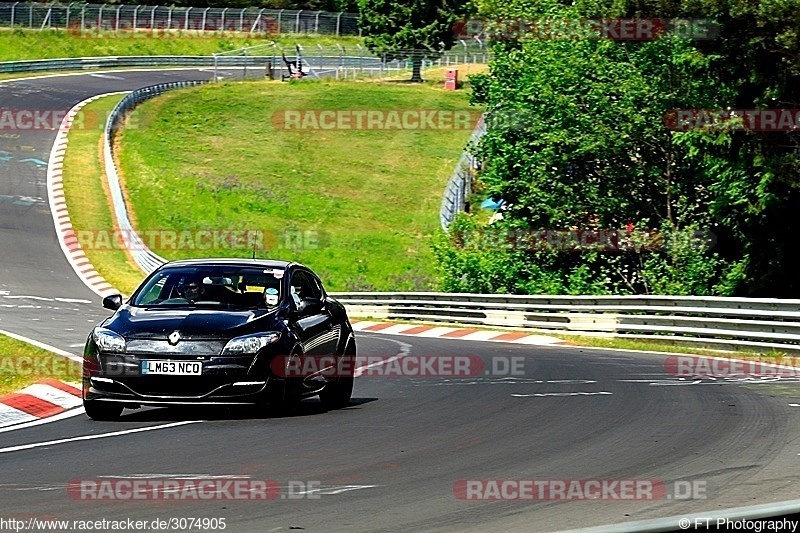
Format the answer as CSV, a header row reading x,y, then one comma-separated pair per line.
x,y
227,287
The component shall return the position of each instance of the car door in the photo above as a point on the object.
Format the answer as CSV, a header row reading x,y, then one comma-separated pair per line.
x,y
314,324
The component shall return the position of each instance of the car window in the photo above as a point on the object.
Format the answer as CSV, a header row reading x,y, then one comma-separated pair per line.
x,y
305,286
217,286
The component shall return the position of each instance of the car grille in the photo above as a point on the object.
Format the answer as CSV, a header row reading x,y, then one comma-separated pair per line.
x,y
186,348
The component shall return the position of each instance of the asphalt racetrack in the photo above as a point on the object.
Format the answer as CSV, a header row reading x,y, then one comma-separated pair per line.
x,y
400,456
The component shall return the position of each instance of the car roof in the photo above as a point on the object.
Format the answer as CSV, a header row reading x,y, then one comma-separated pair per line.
x,y
266,263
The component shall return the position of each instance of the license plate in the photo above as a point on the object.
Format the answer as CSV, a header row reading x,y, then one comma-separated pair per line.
x,y
172,368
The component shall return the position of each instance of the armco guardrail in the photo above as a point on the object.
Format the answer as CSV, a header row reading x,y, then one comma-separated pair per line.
x,y
87,63
725,323
144,257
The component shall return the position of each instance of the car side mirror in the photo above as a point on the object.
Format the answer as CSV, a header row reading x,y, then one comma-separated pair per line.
x,y
113,302
312,305
307,305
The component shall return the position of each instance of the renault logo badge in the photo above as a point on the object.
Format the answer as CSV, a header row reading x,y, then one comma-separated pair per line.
x,y
174,337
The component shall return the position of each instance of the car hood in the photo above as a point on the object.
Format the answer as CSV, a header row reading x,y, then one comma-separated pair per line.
x,y
149,323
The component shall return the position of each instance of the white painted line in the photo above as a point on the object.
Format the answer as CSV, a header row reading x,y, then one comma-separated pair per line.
x,y
74,300
10,416
47,420
53,395
106,76
42,345
543,394
94,437
360,370
539,340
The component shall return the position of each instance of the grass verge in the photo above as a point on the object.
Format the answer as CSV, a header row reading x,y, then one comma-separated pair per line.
x,y
22,364
661,346
22,44
88,199
357,205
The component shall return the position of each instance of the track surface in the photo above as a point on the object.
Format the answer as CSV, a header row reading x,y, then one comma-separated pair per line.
x,y
390,461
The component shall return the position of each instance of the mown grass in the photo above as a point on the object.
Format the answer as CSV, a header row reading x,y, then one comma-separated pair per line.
x,y
22,364
20,44
88,200
661,346
358,206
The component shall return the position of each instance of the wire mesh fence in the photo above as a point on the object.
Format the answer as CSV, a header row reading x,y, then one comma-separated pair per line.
x,y
141,20
348,62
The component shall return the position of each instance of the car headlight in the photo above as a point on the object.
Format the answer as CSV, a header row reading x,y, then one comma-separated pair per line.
x,y
108,341
250,344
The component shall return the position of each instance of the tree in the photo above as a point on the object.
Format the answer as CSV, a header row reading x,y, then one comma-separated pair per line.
x,y
414,29
577,139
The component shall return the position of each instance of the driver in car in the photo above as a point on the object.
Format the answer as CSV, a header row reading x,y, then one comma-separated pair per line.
x,y
191,290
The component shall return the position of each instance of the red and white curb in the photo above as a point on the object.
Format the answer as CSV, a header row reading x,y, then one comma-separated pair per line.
x,y
468,334
58,207
46,398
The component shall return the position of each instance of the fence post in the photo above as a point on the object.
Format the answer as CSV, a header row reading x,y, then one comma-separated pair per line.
x,y
116,22
222,22
280,14
100,18
241,20
205,13
46,20
186,19
136,18
30,16
258,19
13,12
297,22
66,26
316,22
169,18
338,23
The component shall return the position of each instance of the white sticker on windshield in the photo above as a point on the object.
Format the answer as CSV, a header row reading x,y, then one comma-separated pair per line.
x,y
278,273
272,300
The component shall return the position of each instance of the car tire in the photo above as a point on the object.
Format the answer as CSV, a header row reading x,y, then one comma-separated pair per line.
x,y
286,398
102,411
338,391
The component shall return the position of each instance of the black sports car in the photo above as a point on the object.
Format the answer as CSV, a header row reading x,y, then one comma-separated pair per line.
x,y
220,331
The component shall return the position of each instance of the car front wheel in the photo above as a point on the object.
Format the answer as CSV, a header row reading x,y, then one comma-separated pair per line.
x,y
339,390
104,411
